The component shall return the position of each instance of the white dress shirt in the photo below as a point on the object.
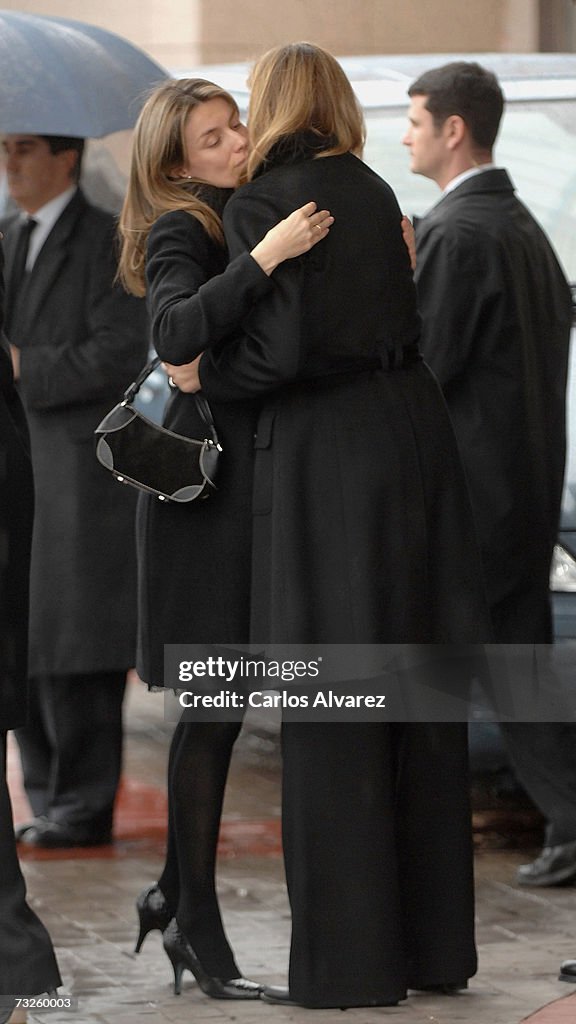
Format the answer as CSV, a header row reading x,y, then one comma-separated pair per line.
x,y
46,218
460,178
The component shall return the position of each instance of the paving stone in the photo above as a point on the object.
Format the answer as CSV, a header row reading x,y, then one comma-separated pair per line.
x,y
88,905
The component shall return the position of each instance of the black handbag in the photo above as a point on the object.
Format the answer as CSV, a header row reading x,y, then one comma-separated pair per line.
x,y
156,460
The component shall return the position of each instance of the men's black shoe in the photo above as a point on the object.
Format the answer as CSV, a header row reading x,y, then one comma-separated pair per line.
x,y
442,989
277,995
55,835
568,971
556,865
281,997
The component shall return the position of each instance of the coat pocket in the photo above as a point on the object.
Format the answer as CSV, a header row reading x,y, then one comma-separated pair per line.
x,y
263,464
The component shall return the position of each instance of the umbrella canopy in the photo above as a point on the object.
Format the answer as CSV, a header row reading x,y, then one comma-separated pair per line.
x,y
61,77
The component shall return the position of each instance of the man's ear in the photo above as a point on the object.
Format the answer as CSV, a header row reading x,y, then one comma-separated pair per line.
x,y
69,159
455,131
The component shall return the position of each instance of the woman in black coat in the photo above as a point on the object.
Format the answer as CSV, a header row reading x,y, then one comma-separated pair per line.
x,y
27,962
194,560
363,534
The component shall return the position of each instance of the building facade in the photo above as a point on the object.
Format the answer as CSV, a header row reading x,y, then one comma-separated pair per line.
x,y
188,32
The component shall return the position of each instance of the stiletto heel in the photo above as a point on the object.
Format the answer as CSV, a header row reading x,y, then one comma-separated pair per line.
x,y
182,957
153,913
178,968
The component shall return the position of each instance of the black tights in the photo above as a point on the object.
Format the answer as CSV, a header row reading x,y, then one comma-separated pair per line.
x,y
197,770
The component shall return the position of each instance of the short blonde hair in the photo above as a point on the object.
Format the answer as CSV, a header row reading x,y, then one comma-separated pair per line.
x,y
158,150
301,87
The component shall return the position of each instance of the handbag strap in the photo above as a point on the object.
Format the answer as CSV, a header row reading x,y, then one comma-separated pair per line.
x,y
206,416
202,405
133,389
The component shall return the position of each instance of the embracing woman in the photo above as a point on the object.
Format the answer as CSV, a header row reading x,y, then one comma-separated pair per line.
x,y
189,151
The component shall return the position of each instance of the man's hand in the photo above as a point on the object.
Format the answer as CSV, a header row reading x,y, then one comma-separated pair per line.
x,y
409,239
184,377
15,353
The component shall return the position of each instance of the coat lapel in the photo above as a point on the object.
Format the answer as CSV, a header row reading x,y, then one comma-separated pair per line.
x,y
47,268
494,180
11,229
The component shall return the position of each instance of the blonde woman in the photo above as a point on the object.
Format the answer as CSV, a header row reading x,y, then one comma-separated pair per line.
x,y
190,148
363,534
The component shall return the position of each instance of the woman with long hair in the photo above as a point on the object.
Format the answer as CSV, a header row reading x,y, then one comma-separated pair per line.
x,y
363,535
194,560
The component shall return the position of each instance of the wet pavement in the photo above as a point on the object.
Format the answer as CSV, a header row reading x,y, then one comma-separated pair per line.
x,y
86,898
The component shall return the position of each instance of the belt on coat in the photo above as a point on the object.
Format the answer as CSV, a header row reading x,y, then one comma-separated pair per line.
x,y
388,359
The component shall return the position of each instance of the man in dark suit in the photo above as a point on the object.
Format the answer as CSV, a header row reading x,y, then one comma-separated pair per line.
x,y
77,340
497,313
27,962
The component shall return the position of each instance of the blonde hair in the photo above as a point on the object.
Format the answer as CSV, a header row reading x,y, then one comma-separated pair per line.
x,y
158,150
301,87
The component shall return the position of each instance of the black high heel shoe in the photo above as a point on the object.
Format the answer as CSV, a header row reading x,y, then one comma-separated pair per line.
x,y
153,912
182,957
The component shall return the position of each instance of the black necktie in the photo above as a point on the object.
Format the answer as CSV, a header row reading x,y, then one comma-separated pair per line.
x,y
18,269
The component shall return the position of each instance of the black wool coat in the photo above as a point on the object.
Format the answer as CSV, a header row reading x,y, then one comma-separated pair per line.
x,y
16,511
194,560
362,534
496,310
26,953
362,529
82,339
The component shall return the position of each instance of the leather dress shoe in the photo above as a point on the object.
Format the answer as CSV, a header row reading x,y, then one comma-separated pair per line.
x,y
281,997
556,865
55,835
568,971
443,989
277,995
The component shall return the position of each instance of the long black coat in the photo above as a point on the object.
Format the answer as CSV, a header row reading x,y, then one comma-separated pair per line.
x,y
194,560
27,962
16,511
363,533
81,340
496,312
362,512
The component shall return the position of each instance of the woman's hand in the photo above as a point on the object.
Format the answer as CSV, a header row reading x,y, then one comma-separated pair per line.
x,y
184,377
15,353
409,239
291,237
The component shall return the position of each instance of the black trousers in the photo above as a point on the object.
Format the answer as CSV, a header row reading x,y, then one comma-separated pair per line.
x,y
27,962
71,747
543,755
378,853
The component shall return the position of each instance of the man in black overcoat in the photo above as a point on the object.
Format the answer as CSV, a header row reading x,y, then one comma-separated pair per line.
x,y
497,314
27,962
77,340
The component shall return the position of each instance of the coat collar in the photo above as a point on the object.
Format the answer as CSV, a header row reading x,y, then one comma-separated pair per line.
x,y
59,233
65,224
496,180
292,149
